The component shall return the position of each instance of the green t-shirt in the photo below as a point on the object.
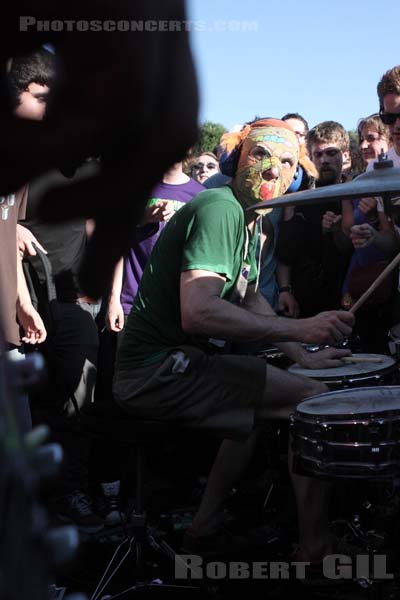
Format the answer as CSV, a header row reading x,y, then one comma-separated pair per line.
x,y
208,233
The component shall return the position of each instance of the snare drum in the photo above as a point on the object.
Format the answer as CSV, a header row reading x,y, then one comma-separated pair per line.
x,y
354,374
350,434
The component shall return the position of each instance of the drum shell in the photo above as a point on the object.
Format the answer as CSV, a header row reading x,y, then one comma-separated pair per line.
x,y
357,446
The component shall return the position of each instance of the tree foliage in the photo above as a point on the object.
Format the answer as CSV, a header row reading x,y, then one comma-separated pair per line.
x,y
209,135
353,135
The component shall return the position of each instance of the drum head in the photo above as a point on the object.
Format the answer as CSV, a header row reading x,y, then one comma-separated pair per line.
x,y
347,370
353,401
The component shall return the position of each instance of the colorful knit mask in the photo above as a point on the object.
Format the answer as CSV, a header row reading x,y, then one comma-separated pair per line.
x,y
267,163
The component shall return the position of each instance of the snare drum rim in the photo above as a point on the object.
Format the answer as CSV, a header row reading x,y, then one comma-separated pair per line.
x,y
377,373
358,415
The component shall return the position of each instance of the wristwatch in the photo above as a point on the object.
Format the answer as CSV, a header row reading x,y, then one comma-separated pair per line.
x,y
286,288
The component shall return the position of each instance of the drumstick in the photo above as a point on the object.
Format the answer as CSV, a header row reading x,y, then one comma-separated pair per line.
x,y
375,284
359,359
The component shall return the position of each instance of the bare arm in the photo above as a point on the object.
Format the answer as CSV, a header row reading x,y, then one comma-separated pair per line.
x,y
347,216
24,241
115,314
203,312
287,303
386,238
28,317
329,357
90,226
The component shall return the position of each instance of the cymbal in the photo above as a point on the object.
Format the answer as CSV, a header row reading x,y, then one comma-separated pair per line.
x,y
379,182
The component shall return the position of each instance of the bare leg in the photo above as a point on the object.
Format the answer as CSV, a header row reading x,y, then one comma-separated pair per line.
x,y
312,499
283,392
231,460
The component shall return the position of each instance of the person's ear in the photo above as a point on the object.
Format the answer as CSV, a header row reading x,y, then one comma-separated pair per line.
x,y
346,157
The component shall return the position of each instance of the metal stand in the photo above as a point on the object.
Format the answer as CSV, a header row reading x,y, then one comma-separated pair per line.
x,y
138,540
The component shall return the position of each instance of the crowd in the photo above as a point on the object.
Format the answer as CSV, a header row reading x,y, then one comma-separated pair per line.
x,y
206,284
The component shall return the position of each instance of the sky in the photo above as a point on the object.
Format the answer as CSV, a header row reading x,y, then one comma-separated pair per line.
x,y
320,58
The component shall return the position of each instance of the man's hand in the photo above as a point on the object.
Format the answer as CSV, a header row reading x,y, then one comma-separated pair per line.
x,y
32,324
287,305
326,328
324,359
330,221
368,207
115,316
161,211
24,241
362,235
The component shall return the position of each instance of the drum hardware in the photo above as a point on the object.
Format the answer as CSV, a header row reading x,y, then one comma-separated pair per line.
x,y
275,357
355,359
314,348
359,380
394,340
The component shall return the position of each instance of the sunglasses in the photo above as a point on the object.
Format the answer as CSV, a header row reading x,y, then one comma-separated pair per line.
x,y
208,165
388,118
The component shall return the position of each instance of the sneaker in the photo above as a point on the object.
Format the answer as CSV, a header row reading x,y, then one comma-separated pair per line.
x,y
112,510
77,508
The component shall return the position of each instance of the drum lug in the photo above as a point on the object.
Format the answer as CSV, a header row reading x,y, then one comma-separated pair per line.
x,y
356,381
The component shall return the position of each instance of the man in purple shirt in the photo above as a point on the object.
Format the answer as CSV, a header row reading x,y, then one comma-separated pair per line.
x,y
167,197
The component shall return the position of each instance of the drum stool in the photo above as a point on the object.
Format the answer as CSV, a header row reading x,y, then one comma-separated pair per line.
x,y
115,425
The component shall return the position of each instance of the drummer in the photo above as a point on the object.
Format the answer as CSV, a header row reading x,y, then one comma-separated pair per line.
x,y
198,292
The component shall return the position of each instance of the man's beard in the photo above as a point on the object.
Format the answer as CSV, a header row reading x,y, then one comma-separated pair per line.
x,y
326,177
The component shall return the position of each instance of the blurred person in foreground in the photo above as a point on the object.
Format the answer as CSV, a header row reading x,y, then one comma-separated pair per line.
x,y
116,92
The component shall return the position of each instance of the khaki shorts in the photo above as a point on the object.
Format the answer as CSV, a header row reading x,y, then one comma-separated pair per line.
x,y
218,393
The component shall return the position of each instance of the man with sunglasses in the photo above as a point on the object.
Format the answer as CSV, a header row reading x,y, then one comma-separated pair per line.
x,y
389,101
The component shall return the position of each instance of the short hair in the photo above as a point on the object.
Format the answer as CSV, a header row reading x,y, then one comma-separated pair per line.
x,y
374,121
329,131
389,84
37,67
298,117
206,154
